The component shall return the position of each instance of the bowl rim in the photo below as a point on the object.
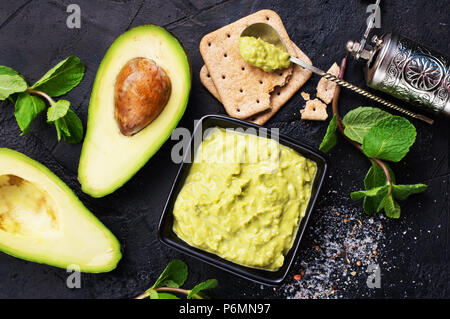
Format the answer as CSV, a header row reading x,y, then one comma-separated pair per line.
x,y
266,277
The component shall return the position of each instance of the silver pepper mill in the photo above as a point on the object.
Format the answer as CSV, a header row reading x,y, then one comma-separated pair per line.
x,y
406,70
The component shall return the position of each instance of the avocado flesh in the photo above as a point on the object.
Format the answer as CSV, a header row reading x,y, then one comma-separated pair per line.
x,y
42,220
109,158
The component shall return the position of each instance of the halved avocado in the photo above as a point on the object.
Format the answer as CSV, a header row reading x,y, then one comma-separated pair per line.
x,y
110,157
42,220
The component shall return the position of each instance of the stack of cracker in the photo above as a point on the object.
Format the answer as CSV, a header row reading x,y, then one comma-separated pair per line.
x,y
245,91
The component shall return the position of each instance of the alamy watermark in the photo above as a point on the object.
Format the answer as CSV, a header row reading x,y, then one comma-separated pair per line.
x,y
73,21
73,281
374,19
374,278
230,148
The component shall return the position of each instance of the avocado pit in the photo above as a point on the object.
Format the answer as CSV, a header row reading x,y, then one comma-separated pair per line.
x,y
141,92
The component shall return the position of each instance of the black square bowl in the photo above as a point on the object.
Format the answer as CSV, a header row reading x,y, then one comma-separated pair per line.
x,y
168,236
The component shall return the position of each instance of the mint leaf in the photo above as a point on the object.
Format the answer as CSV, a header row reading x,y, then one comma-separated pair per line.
x,y
209,284
370,192
375,177
57,110
359,121
27,108
153,294
389,139
165,295
169,283
390,206
329,140
61,128
62,78
4,70
10,82
402,192
68,124
71,127
175,271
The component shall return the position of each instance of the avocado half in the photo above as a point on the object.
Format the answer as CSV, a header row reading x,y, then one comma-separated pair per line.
x,y
42,220
109,158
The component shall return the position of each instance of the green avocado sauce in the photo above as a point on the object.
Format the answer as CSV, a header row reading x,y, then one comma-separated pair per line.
x,y
244,198
263,54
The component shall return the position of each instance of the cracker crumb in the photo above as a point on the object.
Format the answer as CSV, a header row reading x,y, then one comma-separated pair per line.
x,y
314,110
305,96
325,88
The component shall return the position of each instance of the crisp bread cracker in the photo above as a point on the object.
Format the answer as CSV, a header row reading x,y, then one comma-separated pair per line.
x,y
314,110
305,96
208,83
325,88
243,89
278,97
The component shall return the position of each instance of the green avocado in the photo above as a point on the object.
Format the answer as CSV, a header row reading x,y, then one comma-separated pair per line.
x,y
109,158
42,220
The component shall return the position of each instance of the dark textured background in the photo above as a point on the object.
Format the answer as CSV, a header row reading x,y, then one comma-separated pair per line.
x,y
34,37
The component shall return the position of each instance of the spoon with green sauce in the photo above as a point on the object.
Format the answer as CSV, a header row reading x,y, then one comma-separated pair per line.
x,y
261,46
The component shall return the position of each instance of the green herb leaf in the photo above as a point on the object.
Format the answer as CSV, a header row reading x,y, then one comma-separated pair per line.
x,y
62,78
175,271
27,108
153,294
165,295
61,128
72,128
10,82
209,284
390,206
330,138
375,177
370,192
169,283
359,121
389,139
4,70
57,110
402,192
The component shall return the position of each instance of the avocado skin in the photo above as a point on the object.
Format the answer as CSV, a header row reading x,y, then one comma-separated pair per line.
x,y
135,164
21,159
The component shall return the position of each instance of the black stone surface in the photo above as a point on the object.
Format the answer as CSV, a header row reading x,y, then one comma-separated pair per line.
x,y
34,37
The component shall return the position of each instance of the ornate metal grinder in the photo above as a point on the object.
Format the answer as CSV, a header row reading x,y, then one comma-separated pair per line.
x,y
405,69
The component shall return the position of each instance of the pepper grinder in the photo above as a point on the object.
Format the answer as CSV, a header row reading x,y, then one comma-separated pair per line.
x,y
405,69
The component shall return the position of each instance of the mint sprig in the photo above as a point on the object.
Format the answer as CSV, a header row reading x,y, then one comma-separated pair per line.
x,y
168,284
30,101
380,136
383,137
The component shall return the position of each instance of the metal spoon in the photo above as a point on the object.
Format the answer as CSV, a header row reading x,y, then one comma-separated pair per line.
x,y
269,34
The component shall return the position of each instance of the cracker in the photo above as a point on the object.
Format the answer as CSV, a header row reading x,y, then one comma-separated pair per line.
x,y
243,89
314,110
208,83
305,96
325,88
278,97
